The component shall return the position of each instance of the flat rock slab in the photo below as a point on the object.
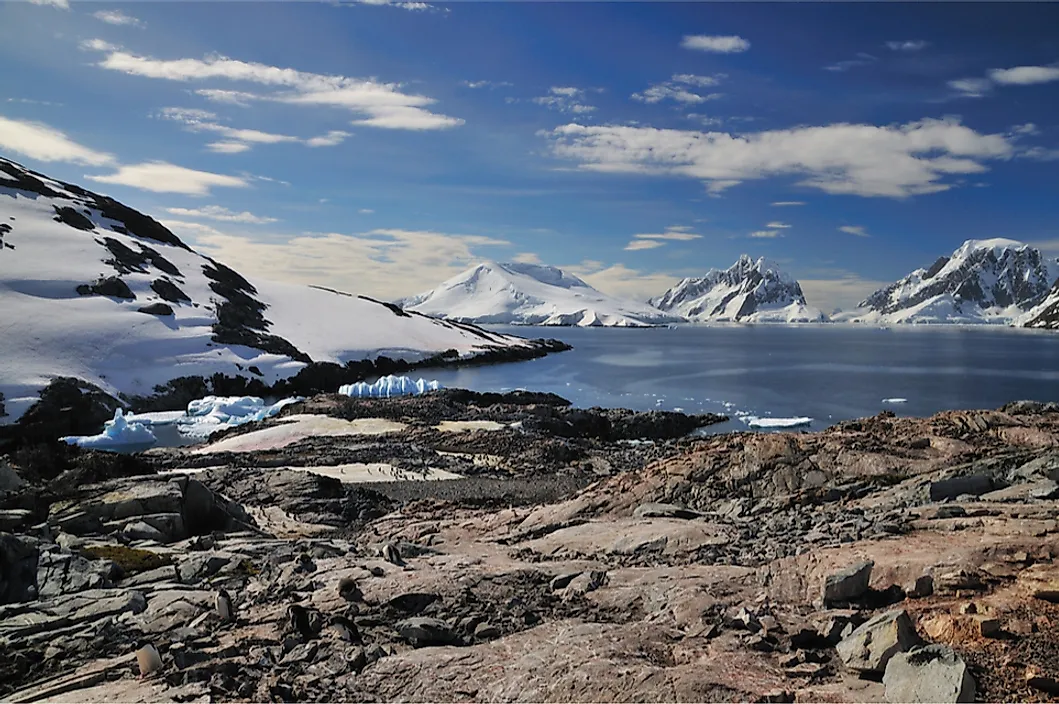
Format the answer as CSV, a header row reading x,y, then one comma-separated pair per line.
x,y
360,473
626,536
870,647
933,673
299,427
458,426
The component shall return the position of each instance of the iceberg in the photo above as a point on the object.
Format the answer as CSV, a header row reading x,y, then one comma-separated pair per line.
x,y
389,386
118,435
774,423
895,400
206,416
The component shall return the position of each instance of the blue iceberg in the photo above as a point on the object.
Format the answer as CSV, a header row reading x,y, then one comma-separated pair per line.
x,y
389,386
119,435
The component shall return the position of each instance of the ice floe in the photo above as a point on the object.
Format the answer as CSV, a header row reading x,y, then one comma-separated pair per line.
x,y
895,400
118,435
773,423
389,386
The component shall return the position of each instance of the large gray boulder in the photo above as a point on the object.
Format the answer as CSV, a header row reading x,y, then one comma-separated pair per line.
x,y
931,673
870,647
422,632
848,584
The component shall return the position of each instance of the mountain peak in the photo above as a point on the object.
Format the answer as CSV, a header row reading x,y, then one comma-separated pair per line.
x,y
750,290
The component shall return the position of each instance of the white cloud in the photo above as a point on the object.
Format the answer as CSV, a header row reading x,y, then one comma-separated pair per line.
x,y
486,84
39,141
637,245
715,44
386,263
380,104
891,161
97,45
1040,154
844,292
61,4
228,147
1028,129
1024,75
31,101
412,6
117,17
971,87
676,88
240,140
787,203
162,177
527,258
564,99
765,234
907,45
196,229
777,226
229,97
216,212
857,230
861,60
366,211
331,139
619,280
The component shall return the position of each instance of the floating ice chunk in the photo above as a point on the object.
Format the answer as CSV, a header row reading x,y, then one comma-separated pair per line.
x,y
770,423
155,418
118,434
206,416
895,400
389,386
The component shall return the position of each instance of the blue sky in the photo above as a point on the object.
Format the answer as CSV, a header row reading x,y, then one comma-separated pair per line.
x,y
381,148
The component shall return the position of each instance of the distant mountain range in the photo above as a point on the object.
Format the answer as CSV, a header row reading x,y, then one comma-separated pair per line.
x,y
995,281
530,294
748,291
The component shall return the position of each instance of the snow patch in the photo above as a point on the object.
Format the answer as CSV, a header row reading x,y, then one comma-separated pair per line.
x,y
895,400
772,423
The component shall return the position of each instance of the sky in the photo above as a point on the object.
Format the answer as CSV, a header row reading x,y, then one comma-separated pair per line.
x,y
383,147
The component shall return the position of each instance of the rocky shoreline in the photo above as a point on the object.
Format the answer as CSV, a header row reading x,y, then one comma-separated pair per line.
x,y
463,546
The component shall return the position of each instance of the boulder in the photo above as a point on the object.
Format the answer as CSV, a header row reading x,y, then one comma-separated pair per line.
x,y
973,484
9,479
931,673
658,510
156,309
922,587
18,568
139,530
848,584
68,573
870,647
422,632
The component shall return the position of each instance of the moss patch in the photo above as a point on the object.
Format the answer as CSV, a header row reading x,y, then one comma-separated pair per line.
x,y
131,560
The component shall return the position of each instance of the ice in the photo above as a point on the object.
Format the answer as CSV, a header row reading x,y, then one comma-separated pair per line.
x,y
118,434
206,416
389,386
895,400
771,423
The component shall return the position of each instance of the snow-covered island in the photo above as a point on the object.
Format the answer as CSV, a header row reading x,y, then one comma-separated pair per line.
x,y
107,298
513,293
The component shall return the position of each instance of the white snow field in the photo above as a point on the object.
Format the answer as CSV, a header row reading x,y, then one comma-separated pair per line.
x,y
388,386
56,237
531,294
117,434
994,281
750,291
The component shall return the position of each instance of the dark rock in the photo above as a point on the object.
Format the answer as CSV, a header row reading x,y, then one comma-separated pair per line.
x,y
848,584
74,219
169,291
659,510
18,568
156,309
562,581
422,632
950,511
65,573
412,603
67,406
922,587
931,673
112,286
486,631
973,484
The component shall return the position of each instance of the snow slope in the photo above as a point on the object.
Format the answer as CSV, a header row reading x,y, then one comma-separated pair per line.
x,y
749,291
984,281
530,294
1044,315
56,238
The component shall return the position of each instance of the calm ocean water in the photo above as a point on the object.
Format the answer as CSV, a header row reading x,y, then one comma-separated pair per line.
x,y
827,372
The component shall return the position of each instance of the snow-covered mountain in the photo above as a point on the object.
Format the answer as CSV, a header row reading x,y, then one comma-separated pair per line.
x,y
530,294
749,291
1044,315
984,281
94,290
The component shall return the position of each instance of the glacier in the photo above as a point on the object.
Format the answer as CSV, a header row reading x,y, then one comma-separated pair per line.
x,y
388,386
119,434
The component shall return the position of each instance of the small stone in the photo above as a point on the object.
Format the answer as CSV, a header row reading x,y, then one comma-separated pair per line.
x,y
1037,679
921,588
969,608
848,584
421,632
950,511
377,571
357,659
486,631
805,669
562,581
988,627
932,673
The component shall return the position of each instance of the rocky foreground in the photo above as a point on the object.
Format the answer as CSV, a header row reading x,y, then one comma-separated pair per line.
x,y
463,546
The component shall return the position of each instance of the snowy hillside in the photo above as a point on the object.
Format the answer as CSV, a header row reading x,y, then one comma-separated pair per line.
x,y
94,290
750,291
530,294
1044,315
984,281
